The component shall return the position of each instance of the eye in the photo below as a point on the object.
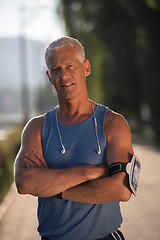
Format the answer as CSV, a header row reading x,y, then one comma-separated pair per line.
x,y
55,70
70,66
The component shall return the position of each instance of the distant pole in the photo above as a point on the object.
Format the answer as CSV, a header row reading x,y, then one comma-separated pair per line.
x,y
23,65
25,101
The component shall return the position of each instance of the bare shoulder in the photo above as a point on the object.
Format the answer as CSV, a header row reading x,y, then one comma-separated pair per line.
x,y
114,118
118,137
34,124
30,140
116,125
31,135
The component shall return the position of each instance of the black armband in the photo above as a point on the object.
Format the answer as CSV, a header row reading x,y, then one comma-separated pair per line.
x,y
117,167
132,169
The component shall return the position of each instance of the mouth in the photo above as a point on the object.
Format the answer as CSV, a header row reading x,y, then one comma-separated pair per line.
x,y
67,85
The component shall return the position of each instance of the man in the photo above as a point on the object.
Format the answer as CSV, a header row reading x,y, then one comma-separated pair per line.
x,y
65,155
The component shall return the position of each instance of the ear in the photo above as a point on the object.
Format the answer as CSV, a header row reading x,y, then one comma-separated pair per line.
x,y
87,67
47,72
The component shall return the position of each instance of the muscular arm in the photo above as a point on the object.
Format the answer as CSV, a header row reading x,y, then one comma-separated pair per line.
x,y
119,149
43,181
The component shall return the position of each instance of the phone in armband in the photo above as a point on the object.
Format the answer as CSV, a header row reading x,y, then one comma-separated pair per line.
x,y
132,169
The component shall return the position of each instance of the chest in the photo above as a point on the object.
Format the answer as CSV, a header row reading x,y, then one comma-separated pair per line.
x,y
80,144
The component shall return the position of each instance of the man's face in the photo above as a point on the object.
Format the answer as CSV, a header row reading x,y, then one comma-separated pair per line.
x,y
67,73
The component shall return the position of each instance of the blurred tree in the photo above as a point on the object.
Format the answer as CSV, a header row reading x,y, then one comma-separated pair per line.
x,y
121,39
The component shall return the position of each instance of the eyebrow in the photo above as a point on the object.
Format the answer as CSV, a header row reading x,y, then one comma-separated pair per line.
x,y
52,67
55,68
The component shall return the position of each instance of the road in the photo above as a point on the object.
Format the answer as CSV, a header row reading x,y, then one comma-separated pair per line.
x,y
18,217
141,215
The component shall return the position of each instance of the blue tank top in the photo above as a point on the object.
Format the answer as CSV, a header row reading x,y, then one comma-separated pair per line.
x,y
60,219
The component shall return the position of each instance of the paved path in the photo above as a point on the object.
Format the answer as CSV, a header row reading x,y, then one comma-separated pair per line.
x,y
141,214
18,217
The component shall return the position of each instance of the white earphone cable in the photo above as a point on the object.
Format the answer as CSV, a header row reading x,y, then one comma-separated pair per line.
x,y
96,132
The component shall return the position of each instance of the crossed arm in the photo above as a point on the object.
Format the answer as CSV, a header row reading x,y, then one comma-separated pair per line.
x,y
32,173
86,184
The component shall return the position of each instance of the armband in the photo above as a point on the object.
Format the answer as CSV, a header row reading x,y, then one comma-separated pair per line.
x,y
132,169
59,195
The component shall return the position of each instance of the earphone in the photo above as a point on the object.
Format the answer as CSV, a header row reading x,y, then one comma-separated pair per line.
x,y
63,150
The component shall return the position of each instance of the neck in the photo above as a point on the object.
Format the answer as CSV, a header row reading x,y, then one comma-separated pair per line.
x,y
72,113
63,150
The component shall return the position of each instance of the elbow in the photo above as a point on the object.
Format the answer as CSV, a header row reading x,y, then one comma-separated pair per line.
x,y
125,190
125,194
21,185
25,187
22,181
20,190
19,181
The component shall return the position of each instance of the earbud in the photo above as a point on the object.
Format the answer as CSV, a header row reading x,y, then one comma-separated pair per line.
x,y
63,151
99,150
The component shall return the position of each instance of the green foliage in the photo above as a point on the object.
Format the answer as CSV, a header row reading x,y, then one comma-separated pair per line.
x,y
8,150
6,178
94,82
155,4
121,39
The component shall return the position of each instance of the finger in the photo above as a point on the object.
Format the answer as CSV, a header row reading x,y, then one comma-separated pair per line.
x,y
33,159
41,158
29,163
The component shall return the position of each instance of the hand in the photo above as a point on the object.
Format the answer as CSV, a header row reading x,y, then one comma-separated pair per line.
x,y
35,160
98,171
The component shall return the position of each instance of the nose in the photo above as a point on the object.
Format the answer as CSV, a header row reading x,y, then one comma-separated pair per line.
x,y
63,74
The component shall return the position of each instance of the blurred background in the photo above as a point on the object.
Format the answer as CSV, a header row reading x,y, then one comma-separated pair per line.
x,y
122,42
26,27
121,39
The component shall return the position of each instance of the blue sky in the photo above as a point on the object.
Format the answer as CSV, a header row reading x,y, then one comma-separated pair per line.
x,y
40,19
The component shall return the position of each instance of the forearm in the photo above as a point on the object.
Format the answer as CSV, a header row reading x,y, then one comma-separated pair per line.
x,y
46,182
100,191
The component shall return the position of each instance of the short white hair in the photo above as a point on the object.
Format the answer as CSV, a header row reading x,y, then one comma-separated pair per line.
x,y
66,41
